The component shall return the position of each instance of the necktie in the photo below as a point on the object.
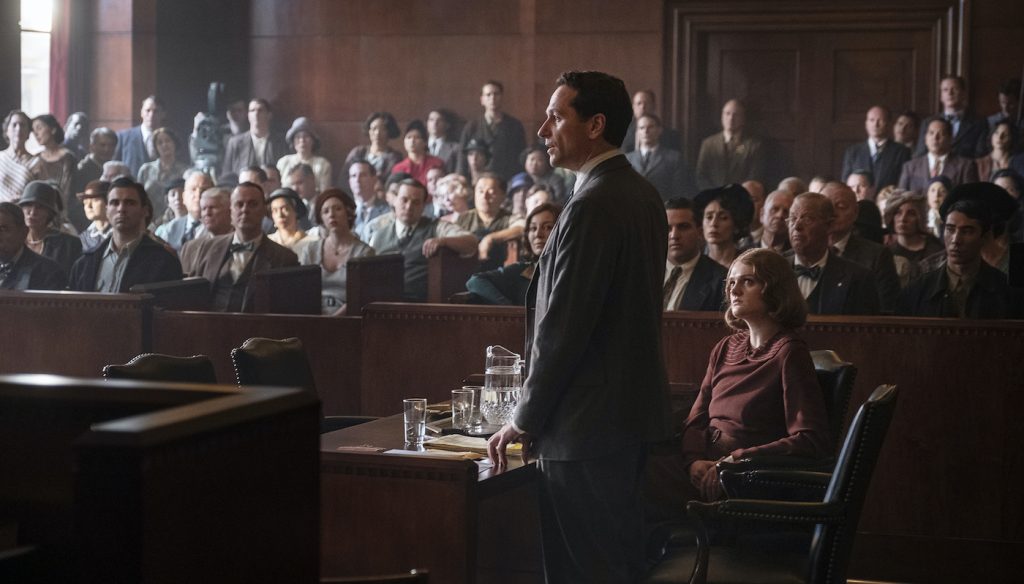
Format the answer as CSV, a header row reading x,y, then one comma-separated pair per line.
x,y
877,154
191,233
937,168
813,272
237,247
404,236
646,158
670,286
5,270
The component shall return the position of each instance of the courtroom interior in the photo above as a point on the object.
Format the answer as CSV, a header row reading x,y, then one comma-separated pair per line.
x,y
236,238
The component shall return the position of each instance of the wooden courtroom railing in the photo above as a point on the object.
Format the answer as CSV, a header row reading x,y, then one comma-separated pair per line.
x,y
290,290
373,279
447,273
123,481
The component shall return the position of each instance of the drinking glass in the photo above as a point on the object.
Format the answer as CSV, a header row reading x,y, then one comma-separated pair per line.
x,y
462,408
415,417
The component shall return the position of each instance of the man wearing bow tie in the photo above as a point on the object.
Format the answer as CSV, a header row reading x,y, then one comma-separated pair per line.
x,y
228,261
830,284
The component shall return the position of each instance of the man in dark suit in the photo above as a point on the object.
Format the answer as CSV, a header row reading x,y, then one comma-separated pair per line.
x,y
20,267
644,102
850,246
940,159
693,281
879,153
596,393
135,145
439,123
730,156
229,261
830,284
969,130
256,147
663,167
965,286
500,132
130,255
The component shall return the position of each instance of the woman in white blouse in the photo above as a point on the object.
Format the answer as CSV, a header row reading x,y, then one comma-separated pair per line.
x,y
306,143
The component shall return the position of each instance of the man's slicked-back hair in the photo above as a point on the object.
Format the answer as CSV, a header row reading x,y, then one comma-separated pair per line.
x,y
601,93
126,182
677,203
496,83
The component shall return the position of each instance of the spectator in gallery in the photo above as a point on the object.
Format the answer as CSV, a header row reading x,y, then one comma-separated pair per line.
x,y
15,160
536,166
489,222
1009,96
862,183
418,160
440,144
662,166
187,227
477,158
725,214
335,213
906,216
967,129
453,192
1002,146
169,166
135,145
273,181
937,190
20,267
76,134
879,154
41,206
174,206
939,159
774,215
102,143
94,202
906,128
732,155
794,184
380,128
536,196
363,183
215,215
259,145
115,169
693,281
965,286
502,133
55,163
129,256
302,180
508,284
305,142
286,207
645,102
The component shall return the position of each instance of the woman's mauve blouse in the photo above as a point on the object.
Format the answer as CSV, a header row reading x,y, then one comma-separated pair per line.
x,y
763,401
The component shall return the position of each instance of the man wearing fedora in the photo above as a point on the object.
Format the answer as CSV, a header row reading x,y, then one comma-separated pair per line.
x,y
306,143
257,146
129,256
20,267
94,202
964,286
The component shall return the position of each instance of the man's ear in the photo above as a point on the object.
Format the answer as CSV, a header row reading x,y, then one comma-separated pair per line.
x,y
596,125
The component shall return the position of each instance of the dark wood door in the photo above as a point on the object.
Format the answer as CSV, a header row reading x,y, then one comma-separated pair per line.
x,y
808,75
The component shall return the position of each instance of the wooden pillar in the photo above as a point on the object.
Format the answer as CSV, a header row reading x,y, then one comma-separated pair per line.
x,y
10,56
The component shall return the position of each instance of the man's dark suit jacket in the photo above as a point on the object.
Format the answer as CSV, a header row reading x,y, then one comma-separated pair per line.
x,y
150,262
878,259
886,171
705,290
669,138
131,149
35,272
596,380
506,141
969,142
212,261
916,175
665,170
240,153
450,153
991,296
843,288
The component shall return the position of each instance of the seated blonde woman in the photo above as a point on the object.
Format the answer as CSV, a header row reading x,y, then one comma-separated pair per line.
x,y
760,395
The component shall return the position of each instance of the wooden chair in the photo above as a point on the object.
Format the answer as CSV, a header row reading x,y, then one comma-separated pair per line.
x,y
159,367
291,290
413,577
835,516
261,361
186,294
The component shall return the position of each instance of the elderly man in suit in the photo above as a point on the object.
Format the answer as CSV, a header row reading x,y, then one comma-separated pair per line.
x,y
129,256
256,147
189,226
850,246
940,160
731,156
644,103
20,267
215,214
968,130
229,261
774,214
879,153
693,281
662,166
596,392
135,145
830,284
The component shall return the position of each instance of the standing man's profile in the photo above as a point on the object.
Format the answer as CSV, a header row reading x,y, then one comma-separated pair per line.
x,y
596,393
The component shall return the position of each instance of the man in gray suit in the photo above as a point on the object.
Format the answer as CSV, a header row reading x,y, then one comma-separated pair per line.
x,y
596,393
256,147
439,123
659,164
187,227
730,156
644,102
940,159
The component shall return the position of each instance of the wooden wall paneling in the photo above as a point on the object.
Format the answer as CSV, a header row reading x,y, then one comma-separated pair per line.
x,y
10,56
401,357
996,51
72,333
333,346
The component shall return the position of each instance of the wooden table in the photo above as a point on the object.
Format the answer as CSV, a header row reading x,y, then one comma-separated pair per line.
x,y
387,513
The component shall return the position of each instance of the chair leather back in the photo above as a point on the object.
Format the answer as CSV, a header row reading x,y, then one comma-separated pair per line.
x,y
832,543
261,361
159,367
836,378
